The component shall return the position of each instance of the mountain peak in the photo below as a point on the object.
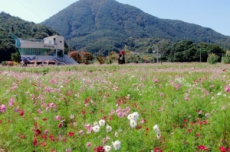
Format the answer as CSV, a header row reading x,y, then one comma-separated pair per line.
x,y
107,24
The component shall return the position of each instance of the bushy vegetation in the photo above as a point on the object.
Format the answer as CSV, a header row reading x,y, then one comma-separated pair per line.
x,y
213,58
128,108
226,58
188,51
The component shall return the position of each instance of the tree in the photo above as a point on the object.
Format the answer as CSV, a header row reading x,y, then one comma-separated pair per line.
x,y
86,57
76,56
101,59
15,57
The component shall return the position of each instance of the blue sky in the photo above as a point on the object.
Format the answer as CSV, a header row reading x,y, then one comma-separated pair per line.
x,y
208,13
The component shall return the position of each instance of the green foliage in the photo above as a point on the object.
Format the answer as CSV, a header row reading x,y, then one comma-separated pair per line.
x,y
226,58
188,51
22,29
212,58
15,57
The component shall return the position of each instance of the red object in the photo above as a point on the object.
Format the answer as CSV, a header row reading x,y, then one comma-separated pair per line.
x,y
71,134
202,147
122,52
158,150
35,142
99,149
22,112
37,132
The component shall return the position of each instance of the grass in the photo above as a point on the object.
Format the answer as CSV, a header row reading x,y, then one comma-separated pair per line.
x,y
188,102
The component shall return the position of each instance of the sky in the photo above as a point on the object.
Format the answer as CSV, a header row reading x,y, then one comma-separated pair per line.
x,y
213,14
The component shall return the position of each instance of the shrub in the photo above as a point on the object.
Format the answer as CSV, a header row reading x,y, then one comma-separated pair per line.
x,y
226,58
101,59
212,58
76,56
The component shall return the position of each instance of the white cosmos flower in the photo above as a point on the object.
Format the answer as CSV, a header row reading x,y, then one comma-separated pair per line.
x,y
133,123
158,133
101,122
96,128
95,123
74,124
71,116
130,117
107,148
108,128
116,145
156,128
116,134
135,116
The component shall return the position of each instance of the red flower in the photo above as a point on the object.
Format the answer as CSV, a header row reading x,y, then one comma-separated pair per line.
x,y
37,132
43,143
44,119
197,135
21,113
44,136
60,125
35,142
222,149
35,124
52,137
83,112
158,149
189,130
202,147
99,149
71,134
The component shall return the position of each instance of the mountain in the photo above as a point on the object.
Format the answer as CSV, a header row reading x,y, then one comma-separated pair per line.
x,y
104,25
20,28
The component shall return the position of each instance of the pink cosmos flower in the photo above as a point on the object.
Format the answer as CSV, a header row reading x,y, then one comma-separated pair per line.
x,y
88,144
227,88
11,102
81,132
89,128
3,108
57,117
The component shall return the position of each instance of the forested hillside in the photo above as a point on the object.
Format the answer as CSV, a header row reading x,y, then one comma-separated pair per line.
x,y
22,29
105,25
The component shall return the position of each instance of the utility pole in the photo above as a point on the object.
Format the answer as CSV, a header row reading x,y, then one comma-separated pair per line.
x,y
157,54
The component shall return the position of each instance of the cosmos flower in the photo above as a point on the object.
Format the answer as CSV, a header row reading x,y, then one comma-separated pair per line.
x,y
71,116
101,122
227,88
108,128
57,117
116,145
3,108
88,144
156,128
107,148
133,123
11,102
96,128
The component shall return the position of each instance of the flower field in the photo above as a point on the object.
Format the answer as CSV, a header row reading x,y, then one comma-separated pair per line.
x,y
129,108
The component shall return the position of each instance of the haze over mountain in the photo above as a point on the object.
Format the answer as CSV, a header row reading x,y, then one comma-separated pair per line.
x,y
104,25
